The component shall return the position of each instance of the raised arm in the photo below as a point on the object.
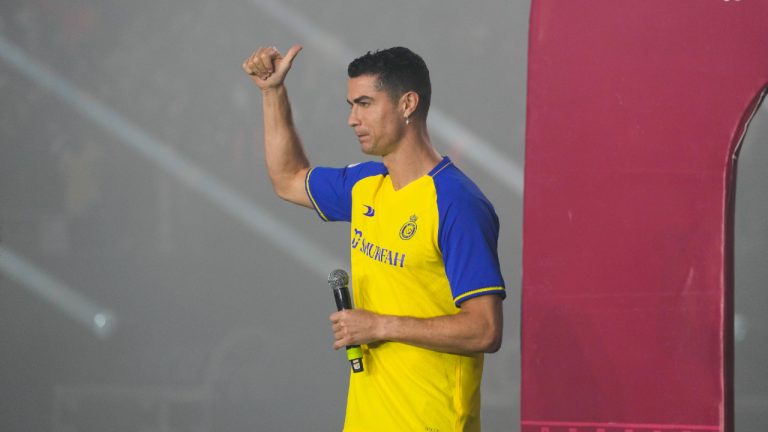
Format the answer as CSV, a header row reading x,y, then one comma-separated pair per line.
x,y
287,163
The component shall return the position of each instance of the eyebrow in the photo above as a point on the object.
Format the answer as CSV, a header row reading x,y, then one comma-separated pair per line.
x,y
360,99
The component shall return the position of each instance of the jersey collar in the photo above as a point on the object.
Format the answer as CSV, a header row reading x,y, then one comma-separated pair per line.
x,y
440,166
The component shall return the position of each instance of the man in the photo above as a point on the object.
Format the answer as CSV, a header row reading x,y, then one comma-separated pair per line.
x,y
425,272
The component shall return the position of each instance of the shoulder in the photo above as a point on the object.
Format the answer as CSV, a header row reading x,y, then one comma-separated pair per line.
x,y
348,175
455,189
359,171
330,189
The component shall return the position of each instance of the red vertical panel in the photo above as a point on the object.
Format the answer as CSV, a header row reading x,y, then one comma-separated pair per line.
x,y
634,111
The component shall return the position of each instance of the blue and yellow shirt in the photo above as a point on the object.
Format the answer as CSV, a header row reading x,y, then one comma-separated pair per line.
x,y
419,251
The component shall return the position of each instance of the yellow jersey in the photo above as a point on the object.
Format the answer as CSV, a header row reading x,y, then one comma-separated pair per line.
x,y
418,251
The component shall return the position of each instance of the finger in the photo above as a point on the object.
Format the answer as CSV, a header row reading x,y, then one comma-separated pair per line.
x,y
248,64
340,343
292,53
287,60
255,66
260,68
247,68
267,58
258,53
253,58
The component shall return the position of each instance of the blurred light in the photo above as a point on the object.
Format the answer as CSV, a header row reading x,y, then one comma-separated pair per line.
x,y
740,326
164,156
100,320
57,293
103,323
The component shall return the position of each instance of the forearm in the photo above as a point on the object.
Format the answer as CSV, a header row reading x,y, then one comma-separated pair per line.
x,y
459,334
284,155
476,328
286,162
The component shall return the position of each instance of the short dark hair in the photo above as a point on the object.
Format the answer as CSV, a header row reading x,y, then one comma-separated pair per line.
x,y
399,70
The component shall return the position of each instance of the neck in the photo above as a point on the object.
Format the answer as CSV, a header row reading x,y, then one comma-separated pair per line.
x,y
414,157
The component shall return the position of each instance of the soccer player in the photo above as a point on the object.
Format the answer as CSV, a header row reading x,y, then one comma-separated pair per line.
x,y
425,272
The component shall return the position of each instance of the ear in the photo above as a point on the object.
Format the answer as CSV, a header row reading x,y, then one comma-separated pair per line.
x,y
409,101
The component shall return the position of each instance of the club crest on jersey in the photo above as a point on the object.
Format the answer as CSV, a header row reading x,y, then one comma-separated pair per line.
x,y
409,228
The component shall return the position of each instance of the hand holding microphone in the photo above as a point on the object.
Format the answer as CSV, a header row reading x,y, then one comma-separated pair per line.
x,y
345,327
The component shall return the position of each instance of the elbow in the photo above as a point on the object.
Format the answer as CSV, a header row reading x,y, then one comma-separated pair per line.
x,y
280,191
286,188
487,323
492,342
289,186
279,185
494,332
496,346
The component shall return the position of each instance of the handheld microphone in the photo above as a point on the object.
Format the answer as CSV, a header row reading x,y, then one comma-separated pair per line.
x,y
339,280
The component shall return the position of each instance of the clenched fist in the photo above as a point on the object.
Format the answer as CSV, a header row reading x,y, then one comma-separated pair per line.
x,y
267,67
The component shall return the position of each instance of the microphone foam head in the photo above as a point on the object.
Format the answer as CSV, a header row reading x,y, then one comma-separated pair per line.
x,y
338,278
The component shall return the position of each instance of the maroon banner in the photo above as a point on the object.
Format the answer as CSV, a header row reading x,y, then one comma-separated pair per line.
x,y
635,111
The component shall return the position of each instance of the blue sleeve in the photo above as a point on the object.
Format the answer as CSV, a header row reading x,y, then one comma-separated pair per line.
x,y
330,189
468,237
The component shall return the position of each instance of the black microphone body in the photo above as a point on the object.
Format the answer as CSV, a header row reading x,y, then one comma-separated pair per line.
x,y
339,281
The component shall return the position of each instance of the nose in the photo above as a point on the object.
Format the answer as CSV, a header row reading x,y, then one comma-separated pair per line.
x,y
352,120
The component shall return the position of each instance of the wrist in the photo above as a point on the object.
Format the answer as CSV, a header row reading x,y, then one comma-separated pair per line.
x,y
388,327
272,90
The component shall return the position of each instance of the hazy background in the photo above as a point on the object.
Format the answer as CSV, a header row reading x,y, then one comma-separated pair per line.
x,y
151,281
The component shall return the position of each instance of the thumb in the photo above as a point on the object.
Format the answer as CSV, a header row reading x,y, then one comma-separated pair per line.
x,y
290,55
